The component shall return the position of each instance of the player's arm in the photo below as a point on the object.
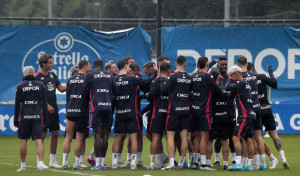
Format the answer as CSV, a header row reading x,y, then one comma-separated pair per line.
x,y
44,105
145,83
272,82
147,108
212,63
233,86
213,85
155,86
62,88
86,88
18,101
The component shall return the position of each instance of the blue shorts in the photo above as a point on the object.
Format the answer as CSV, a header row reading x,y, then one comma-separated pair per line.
x,y
177,123
194,124
33,129
127,125
258,121
52,122
268,119
244,127
204,122
102,119
157,123
219,130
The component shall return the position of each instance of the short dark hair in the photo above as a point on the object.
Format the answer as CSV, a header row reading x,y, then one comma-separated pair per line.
x,y
181,60
162,58
134,67
44,59
202,62
82,64
215,74
222,58
165,67
148,65
98,64
121,64
242,60
127,58
250,66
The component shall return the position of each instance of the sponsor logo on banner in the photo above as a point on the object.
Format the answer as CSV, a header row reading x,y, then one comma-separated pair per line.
x,y
66,52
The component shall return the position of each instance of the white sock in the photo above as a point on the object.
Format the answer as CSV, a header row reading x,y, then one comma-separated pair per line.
x,y
102,159
195,158
52,158
203,159
76,161
225,163
172,161
65,158
159,158
175,156
40,163
272,157
246,161
256,160
23,164
233,155
249,163
133,159
181,161
92,154
217,156
128,156
81,158
139,157
97,161
119,157
282,156
37,158
263,159
152,159
208,162
238,159
190,156
114,158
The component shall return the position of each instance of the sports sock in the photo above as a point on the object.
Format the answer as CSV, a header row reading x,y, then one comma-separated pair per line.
x,y
225,163
272,157
195,158
217,157
238,159
76,161
159,159
133,159
208,162
181,161
92,154
52,158
81,158
98,161
114,159
263,159
128,156
139,157
23,164
119,157
152,159
65,158
172,161
40,163
256,160
191,156
102,159
203,159
233,155
246,161
249,162
282,156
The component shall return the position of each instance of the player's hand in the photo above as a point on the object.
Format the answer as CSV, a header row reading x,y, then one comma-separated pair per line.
x,y
16,123
147,113
147,94
216,60
155,67
50,109
270,69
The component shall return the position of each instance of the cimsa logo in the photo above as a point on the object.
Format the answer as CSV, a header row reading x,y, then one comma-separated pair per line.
x,y
66,52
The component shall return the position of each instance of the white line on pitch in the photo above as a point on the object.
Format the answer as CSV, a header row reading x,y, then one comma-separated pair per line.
x,y
53,170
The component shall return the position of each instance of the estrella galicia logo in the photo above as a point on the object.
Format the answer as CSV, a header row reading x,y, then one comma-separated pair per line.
x,y
66,52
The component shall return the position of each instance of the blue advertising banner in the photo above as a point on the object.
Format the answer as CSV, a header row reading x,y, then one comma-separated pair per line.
x,y
275,46
21,45
287,117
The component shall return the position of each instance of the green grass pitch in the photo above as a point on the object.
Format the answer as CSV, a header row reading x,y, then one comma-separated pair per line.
x,y
10,160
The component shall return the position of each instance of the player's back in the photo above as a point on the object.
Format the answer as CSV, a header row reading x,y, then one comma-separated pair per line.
x,y
178,86
262,82
252,80
160,100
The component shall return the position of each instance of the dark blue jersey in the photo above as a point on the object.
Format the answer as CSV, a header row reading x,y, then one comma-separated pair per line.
x,y
31,101
178,86
160,101
219,106
242,92
262,82
230,100
127,98
77,105
203,87
252,80
51,82
99,88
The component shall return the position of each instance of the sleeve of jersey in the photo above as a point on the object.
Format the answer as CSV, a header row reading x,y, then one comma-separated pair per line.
x,y
68,91
57,81
86,87
44,105
147,108
213,85
231,86
145,83
272,82
153,90
211,64
17,105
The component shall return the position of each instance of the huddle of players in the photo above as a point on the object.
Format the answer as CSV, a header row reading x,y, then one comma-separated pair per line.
x,y
180,102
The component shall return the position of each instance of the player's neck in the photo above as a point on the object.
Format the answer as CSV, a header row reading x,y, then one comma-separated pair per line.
x,y
223,74
180,69
165,75
44,71
123,72
244,68
81,71
203,70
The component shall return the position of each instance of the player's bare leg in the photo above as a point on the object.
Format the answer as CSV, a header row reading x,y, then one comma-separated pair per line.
x,y
134,149
261,147
225,151
278,145
67,143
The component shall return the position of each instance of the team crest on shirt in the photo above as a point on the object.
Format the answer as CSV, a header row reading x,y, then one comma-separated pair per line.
x,y
30,83
51,76
50,86
42,78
